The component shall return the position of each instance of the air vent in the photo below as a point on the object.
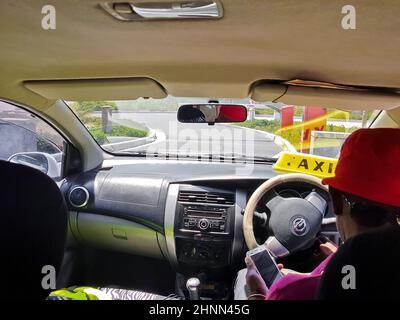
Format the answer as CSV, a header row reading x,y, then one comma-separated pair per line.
x,y
79,197
206,197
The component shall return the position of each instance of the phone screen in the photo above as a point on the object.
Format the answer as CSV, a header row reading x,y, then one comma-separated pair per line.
x,y
266,266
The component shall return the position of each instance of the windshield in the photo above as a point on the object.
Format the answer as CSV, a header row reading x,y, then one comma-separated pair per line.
x,y
150,126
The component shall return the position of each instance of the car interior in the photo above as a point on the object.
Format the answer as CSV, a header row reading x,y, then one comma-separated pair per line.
x,y
150,222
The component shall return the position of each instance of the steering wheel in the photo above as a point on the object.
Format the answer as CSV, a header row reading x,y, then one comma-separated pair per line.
x,y
293,222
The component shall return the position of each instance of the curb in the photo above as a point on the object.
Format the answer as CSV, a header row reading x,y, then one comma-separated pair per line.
x,y
118,146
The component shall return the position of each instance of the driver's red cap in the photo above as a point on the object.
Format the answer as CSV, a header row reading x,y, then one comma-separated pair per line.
x,y
369,166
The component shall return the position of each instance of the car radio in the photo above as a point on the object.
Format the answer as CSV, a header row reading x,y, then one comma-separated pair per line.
x,y
204,218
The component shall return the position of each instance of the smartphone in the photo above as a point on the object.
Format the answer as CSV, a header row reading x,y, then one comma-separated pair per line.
x,y
265,264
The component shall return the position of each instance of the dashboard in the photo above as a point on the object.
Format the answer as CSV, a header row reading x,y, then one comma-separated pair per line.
x,y
187,212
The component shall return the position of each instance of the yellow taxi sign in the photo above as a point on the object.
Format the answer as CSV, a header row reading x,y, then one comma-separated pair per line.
x,y
321,167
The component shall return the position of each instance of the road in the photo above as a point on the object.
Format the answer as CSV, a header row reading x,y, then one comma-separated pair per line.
x,y
199,138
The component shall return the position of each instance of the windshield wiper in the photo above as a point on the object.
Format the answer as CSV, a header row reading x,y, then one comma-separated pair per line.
x,y
235,158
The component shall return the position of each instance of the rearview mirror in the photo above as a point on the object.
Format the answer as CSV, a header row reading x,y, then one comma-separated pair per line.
x,y
212,113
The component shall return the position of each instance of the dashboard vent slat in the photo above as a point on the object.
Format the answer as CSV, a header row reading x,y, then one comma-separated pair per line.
x,y
206,197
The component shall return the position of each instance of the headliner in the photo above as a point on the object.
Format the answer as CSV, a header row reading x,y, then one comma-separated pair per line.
x,y
274,39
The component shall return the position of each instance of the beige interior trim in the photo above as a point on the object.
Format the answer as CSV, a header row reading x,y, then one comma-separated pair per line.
x,y
60,115
255,40
265,91
384,120
97,89
325,97
394,115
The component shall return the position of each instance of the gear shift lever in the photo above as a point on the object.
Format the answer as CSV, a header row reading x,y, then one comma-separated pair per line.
x,y
193,284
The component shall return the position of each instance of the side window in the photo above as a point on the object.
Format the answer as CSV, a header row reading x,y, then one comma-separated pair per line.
x,y
28,140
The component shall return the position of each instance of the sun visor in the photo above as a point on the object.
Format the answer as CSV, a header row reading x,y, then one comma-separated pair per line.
x,y
98,89
339,97
262,92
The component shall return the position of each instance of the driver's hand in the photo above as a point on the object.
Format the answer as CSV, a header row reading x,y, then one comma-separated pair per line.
x,y
327,248
254,280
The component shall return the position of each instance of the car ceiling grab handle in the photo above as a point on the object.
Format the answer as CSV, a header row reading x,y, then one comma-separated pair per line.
x,y
141,11
177,10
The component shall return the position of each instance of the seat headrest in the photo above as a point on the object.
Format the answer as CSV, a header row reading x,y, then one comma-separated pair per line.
x,y
366,266
34,226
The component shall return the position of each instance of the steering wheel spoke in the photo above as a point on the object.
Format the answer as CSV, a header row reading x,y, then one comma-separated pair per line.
x,y
274,202
277,249
317,201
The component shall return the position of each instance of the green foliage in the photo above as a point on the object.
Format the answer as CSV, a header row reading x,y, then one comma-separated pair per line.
x,y
333,128
84,107
123,131
298,111
339,115
264,125
293,135
343,115
91,122
99,135
265,111
116,131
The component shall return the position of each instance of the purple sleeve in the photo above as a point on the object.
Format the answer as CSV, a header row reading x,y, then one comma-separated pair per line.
x,y
297,286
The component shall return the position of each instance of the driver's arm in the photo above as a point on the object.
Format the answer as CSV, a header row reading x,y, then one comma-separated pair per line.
x,y
260,291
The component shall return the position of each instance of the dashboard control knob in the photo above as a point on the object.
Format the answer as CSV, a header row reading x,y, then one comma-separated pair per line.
x,y
204,224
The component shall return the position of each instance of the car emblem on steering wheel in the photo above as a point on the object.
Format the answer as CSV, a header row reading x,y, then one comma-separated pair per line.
x,y
299,226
